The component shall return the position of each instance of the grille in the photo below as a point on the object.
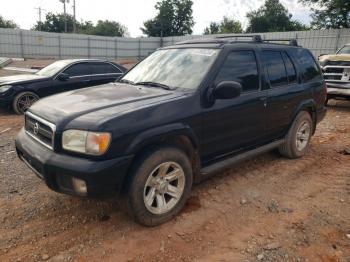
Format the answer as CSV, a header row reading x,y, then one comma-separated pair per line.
x,y
40,130
335,70
339,63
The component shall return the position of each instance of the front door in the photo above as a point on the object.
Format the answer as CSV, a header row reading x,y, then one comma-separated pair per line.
x,y
235,124
79,77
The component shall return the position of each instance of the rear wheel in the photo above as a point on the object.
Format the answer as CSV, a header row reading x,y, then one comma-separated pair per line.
x,y
23,101
298,138
161,185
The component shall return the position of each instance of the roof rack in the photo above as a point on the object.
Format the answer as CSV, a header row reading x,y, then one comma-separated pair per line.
x,y
233,39
255,38
291,41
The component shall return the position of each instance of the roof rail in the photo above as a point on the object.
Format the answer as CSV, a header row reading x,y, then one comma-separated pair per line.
x,y
291,41
255,38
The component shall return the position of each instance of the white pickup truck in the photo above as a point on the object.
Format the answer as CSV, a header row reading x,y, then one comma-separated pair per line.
x,y
336,71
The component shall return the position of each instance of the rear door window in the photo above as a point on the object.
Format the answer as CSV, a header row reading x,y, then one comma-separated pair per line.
x,y
80,69
275,68
291,73
241,67
104,68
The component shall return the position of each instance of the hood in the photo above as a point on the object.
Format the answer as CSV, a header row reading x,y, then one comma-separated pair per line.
x,y
20,79
342,57
116,97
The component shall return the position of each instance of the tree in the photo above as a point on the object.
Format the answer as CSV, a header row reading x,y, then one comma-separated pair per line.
x,y
110,28
214,28
7,23
55,23
174,18
226,26
272,17
329,13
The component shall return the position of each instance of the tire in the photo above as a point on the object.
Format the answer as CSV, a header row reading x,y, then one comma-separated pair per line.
x,y
23,101
148,199
298,138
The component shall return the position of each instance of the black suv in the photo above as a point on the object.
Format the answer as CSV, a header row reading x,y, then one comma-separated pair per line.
x,y
182,114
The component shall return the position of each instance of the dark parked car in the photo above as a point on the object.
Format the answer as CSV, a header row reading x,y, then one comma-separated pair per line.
x,y
19,92
185,112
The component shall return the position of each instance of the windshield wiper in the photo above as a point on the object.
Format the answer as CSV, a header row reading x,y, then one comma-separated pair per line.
x,y
126,81
155,84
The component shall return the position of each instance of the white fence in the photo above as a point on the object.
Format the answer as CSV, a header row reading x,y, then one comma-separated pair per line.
x,y
34,44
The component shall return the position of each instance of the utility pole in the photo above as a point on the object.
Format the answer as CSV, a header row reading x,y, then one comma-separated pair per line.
x,y
74,18
65,14
39,13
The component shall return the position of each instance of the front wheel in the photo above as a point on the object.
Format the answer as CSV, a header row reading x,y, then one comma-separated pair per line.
x,y
23,101
298,138
161,184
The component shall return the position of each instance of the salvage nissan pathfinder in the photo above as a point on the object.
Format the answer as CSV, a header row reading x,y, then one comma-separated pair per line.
x,y
185,112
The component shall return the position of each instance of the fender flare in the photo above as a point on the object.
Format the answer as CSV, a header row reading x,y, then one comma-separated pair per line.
x,y
161,133
307,105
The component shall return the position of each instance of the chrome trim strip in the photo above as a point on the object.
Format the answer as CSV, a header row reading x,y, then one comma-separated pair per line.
x,y
72,77
45,122
335,66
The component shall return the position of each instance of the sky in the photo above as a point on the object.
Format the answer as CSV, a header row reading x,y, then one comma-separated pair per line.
x,y
133,13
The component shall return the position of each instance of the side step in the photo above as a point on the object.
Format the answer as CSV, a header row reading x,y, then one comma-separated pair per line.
x,y
221,165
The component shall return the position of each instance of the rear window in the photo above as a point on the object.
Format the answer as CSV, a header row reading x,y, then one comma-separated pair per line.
x,y
309,70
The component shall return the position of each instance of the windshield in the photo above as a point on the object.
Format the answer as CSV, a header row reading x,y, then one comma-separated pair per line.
x,y
53,68
345,50
176,68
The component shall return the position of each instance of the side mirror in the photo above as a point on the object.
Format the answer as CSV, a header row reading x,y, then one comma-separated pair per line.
x,y
63,77
227,90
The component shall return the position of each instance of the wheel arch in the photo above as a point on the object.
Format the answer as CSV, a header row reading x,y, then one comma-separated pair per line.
x,y
176,135
308,106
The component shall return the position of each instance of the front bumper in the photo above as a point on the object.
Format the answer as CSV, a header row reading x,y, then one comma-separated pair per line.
x,y
338,90
102,178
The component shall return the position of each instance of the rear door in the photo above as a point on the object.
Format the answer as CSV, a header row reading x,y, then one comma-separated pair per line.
x,y
286,90
233,125
104,72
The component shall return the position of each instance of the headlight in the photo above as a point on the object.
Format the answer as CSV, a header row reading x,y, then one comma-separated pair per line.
x,y
92,143
4,88
323,62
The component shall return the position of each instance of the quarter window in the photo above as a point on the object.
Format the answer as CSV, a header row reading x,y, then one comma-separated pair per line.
x,y
241,67
78,70
275,68
308,68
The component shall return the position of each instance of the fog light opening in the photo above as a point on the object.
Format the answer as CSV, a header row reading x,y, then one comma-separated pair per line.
x,y
79,186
